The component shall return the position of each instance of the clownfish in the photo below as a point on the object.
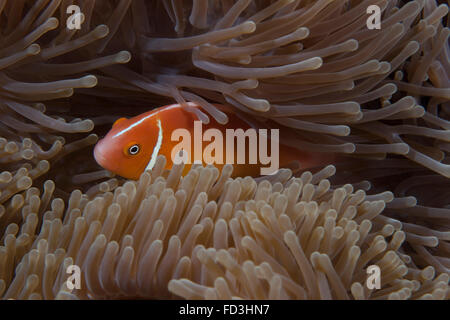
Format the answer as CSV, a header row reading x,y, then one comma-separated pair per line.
x,y
133,145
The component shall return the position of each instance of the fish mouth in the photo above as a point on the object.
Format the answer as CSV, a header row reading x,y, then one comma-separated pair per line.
x,y
102,159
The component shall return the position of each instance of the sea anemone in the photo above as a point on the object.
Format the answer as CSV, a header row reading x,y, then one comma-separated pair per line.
x,y
209,236
379,99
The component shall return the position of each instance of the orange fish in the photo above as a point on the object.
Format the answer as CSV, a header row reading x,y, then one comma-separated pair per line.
x,y
132,145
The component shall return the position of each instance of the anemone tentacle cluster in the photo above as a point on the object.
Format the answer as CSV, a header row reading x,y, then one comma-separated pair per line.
x,y
206,235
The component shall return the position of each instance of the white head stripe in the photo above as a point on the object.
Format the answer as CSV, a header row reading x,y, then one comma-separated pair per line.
x,y
130,127
172,106
152,161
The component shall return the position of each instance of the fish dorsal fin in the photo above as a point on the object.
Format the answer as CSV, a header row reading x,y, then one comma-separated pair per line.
x,y
118,121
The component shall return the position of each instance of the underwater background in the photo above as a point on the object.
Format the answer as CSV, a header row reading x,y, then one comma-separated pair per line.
x,y
377,99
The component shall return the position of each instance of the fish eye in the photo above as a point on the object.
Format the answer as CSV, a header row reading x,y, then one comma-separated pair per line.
x,y
134,149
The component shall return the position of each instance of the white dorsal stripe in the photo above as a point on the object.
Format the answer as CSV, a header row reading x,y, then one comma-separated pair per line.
x,y
157,147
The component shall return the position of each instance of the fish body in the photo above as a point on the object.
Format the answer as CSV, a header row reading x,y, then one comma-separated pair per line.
x,y
132,145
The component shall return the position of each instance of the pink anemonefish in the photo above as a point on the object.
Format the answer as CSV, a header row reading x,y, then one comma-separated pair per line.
x,y
132,145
